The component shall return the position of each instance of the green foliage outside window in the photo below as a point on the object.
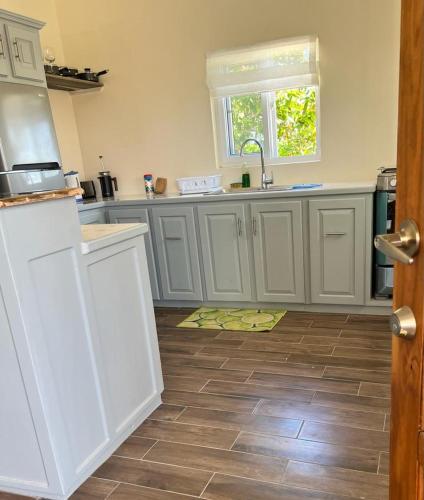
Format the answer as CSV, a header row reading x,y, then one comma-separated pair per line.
x,y
295,111
296,121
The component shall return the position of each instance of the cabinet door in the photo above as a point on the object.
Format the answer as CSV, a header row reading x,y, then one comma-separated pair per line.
x,y
128,215
178,257
278,246
337,250
4,56
94,216
25,53
225,251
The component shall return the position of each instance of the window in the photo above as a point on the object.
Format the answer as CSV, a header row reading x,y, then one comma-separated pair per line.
x,y
269,93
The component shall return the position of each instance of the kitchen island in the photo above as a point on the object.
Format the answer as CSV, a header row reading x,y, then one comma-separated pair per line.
x,y
305,249
80,366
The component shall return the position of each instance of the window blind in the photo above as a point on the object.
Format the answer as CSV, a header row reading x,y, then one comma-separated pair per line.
x,y
286,63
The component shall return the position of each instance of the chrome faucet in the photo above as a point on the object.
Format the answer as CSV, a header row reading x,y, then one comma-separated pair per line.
x,y
266,180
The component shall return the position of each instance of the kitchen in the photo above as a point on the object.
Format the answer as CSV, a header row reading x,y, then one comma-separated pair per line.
x,y
302,243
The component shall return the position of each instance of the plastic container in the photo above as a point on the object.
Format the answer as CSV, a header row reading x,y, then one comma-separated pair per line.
x,y
201,184
148,183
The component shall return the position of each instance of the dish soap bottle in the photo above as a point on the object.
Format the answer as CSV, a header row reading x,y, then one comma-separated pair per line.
x,y
245,178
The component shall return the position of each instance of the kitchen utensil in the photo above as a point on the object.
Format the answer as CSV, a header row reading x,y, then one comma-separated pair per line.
x,y
89,190
65,71
90,75
160,186
107,183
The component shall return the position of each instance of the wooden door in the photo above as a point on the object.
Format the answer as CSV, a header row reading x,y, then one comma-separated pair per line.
x,y
407,418
25,53
278,247
225,251
178,257
337,250
128,215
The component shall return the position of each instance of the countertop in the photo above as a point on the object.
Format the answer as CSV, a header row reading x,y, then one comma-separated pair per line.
x,y
38,197
137,199
97,236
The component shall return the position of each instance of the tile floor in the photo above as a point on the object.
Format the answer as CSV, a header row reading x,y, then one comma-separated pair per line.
x,y
299,413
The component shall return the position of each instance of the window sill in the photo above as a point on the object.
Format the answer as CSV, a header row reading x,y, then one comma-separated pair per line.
x,y
255,161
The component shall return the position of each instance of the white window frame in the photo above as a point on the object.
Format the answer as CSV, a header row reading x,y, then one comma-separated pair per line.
x,y
223,138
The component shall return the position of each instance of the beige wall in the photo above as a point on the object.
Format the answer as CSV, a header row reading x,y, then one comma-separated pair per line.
x,y
154,113
61,102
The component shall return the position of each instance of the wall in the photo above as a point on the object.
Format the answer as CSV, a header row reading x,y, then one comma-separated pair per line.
x,y
61,102
153,114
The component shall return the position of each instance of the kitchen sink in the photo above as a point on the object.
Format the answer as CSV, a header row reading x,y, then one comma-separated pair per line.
x,y
250,190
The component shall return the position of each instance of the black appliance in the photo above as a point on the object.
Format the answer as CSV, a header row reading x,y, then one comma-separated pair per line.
x,y
107,184
89,190
384,222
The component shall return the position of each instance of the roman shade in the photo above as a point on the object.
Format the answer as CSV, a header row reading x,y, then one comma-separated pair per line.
x,y
285,63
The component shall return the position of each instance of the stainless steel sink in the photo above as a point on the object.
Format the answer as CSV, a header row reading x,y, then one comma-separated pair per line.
x,y
251,190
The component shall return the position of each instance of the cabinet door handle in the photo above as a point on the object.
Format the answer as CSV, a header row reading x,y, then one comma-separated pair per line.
x,y
15,44
173,238
254,226
2,54
335,233
239,226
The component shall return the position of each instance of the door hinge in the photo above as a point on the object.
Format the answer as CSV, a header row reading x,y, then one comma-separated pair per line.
x,y
421,448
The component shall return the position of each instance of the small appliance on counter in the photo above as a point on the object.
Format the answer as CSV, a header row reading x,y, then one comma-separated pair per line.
x,y
107,184
384,222
72,181
89,190
29,153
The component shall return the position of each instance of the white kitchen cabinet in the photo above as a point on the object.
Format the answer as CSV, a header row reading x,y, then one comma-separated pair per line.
x,y
128,215
79,360
178,257
21,59
127,347
278,247
337,250
5,70
25,53
224,243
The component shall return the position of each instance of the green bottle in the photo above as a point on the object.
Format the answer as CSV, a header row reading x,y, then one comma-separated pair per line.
x,y
245,178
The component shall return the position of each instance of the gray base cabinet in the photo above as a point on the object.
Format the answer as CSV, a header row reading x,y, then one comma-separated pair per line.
x,y
337,250
94,216
225,253
177,253
278,248
130,215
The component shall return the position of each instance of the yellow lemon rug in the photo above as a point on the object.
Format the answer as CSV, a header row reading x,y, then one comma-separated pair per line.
x,y
249,320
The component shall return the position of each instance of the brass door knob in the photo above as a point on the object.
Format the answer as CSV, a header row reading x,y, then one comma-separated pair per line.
x,y
402,323
401,246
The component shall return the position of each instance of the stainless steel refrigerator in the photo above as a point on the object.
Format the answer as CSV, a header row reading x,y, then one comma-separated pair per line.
x,y
29,153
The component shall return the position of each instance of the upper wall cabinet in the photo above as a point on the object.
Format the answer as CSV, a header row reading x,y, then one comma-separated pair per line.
x,y
21,59
26,58
5,70
337,250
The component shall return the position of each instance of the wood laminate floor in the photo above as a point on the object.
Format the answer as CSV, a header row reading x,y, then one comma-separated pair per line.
x,y
298,413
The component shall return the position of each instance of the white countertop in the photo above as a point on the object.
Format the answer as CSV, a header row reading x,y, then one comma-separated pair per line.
x,y
324,189
96,236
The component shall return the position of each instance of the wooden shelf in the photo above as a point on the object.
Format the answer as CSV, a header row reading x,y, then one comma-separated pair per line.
x,y
70,84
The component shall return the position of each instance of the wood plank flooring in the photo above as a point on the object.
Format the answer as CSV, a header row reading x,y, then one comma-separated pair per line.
x,y
298,413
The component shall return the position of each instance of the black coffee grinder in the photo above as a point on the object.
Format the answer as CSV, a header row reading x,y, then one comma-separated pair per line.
x,y
107,182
